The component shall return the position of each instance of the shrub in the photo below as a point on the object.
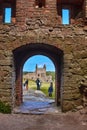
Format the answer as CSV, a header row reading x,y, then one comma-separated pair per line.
x,y
5,108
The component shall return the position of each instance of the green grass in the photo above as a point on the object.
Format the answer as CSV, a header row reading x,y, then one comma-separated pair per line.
x,y
44,87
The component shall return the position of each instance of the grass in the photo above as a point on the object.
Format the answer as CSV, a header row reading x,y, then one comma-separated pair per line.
x,y
44,87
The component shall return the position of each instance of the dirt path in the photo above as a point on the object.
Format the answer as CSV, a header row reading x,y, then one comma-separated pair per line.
x,y
51,120
61,121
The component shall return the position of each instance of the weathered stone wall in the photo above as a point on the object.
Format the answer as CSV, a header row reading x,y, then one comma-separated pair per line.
x,y
86,9
31,25
50,14
72,40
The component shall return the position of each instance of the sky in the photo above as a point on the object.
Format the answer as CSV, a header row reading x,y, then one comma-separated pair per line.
x,y
40,60
65,16
7,15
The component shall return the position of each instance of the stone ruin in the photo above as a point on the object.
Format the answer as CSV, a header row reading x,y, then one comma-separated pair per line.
x,y
40,72
36,27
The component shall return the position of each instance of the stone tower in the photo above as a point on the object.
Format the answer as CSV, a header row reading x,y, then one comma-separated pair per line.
x,y
37,27
40,72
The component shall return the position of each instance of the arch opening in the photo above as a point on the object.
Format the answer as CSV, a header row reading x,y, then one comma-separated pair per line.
x,y
39,80
25,52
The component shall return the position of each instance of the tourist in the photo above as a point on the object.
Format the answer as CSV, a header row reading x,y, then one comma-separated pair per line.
x,y
50,89
38,84
26,84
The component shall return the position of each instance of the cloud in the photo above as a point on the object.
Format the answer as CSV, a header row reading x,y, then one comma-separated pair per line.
x,y
40,66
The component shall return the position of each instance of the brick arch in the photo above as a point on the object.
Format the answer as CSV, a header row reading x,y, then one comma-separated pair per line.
x,y
22,53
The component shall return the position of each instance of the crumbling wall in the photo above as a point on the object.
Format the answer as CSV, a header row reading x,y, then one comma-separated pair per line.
x,y
32,25
72,40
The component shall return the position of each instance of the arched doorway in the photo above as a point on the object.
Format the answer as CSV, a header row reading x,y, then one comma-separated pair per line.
x,y
38,81
22,53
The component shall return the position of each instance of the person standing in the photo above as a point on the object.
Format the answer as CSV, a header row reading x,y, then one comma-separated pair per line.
x,y
50,89
26,84
38,84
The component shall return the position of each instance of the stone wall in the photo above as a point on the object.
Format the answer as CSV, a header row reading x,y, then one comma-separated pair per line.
x,y
72,40
34,28
50,14
86,9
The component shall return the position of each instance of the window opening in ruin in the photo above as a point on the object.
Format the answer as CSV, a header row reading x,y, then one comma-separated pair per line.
x,y
7,15
44,67
39,3
65,16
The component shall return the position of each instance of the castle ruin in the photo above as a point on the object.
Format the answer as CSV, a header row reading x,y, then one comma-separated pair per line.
x,y
40,72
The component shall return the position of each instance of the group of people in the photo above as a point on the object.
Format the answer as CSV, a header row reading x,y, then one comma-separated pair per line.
x,y
50,89
38,83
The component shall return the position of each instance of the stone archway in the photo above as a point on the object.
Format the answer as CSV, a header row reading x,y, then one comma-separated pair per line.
x,y
22,53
